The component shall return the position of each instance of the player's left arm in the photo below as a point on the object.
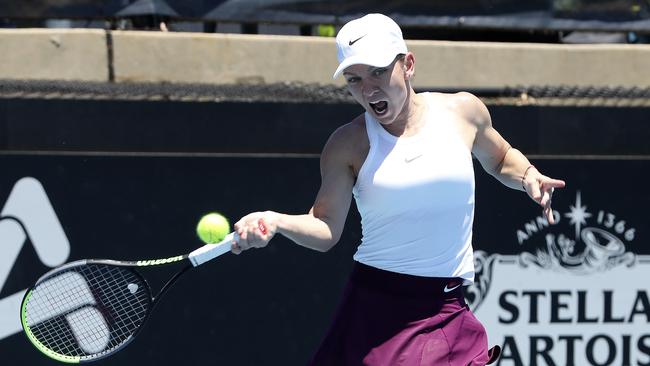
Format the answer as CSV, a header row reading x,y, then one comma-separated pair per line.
x,y
504,162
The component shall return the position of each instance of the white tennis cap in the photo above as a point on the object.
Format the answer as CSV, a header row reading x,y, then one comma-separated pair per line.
x,y
374,40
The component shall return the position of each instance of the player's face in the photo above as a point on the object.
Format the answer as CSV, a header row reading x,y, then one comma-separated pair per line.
x,y
382,91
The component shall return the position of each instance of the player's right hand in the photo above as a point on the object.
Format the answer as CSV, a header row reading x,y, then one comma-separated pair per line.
x,y
255,230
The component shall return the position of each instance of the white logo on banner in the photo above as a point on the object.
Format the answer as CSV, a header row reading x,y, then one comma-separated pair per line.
x,y
27,213
574,298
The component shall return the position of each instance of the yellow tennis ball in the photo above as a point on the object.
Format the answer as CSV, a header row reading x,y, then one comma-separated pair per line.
x,y
326,30
212,228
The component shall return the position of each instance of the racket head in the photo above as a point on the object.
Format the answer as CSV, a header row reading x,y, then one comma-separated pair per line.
x,y
85,310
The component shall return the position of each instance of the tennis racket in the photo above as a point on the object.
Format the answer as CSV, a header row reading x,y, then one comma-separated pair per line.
x,y
89,309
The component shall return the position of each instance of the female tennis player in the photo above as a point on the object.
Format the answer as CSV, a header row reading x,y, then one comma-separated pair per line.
x,y
407,161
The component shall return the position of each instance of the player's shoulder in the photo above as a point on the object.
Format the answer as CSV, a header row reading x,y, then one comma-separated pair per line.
x,y
351,132
461,102
348,139
465,105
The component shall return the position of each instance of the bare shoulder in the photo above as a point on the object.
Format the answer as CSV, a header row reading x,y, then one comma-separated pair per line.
x,y
468,114
348,144
466,106
346,136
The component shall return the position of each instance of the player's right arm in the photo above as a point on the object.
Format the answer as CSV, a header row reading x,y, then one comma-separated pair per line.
x,y
319,229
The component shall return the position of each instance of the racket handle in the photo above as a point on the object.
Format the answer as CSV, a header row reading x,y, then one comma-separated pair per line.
x,y
211,251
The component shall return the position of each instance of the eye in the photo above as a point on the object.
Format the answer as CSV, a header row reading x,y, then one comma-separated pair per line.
x,y
353,79
378,72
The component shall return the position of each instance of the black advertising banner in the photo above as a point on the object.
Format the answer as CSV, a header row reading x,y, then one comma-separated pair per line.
x,y
569,293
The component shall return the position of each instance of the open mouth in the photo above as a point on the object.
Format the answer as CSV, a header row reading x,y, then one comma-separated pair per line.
x,y
380,107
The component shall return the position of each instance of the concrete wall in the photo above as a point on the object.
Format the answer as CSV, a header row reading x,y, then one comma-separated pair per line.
x,y
483,64
233,58
222,58
71,54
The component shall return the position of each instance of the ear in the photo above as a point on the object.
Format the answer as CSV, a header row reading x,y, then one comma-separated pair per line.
x,y
409,65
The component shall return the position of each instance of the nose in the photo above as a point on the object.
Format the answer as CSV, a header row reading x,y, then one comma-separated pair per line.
x,y
369,89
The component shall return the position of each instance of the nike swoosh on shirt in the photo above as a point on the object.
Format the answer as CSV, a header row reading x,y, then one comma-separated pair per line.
x,y
410,159
447,289
355,41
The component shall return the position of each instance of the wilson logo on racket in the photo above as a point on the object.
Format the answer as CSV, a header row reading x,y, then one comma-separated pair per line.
x,y
154,262
27,214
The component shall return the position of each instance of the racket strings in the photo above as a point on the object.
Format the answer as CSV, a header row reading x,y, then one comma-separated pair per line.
x,y
129,312
87,311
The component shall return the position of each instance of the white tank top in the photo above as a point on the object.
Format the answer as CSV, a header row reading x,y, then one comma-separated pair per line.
x,y
416,199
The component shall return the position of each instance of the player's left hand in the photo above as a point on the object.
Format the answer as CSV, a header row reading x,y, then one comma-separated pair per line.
x,y
540,188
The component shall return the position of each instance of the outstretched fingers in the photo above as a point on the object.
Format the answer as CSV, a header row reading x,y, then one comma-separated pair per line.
x,y
541,190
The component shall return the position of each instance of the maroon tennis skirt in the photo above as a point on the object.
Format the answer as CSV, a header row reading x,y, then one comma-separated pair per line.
x,y
393,319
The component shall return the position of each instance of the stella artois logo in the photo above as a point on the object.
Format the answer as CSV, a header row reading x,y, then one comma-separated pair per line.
x,y
576,294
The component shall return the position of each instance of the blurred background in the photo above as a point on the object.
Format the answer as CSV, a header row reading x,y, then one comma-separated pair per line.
x,y
135,118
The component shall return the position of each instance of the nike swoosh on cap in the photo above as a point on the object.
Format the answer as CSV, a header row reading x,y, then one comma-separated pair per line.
x,y
447,289
355,41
